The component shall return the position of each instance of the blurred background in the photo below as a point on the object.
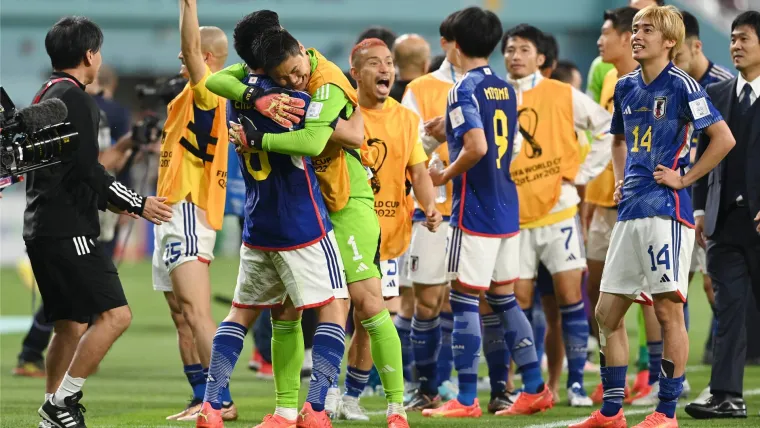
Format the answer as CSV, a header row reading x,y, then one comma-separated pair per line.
x,y
142,44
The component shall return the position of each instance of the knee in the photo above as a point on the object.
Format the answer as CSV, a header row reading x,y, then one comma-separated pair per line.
x,y
118,318
524,293
669,314
196,313
427,308
607,324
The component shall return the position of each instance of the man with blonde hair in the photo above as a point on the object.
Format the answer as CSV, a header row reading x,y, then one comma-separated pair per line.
x,y
656,108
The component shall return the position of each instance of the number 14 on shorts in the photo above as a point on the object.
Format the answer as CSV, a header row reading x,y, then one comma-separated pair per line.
x,y
662,257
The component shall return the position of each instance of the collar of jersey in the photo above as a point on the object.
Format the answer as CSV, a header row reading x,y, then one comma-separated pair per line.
x,y
312,59
447,73
526,83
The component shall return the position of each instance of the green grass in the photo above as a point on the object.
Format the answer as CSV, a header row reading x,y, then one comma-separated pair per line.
x,y
141,380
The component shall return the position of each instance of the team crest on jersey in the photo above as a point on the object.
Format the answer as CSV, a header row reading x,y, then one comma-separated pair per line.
x,y
659,107
415,263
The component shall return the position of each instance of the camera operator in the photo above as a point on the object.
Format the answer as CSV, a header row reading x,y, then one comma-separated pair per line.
x,y
76,279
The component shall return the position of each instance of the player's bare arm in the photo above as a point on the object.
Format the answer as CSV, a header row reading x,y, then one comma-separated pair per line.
x,y
424,192
190,36
474,148
349,133
721,142
619,154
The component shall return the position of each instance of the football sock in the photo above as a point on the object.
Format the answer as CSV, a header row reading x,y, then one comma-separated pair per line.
x,y
670,390
519,338
538,322
37,338
328,349
495,347
69,386
613,382
356,381
287,359
225,351
404,330
655,360
575,332
197,380
686,316
385,345
445,363
643,362
466,344
426,341
335,381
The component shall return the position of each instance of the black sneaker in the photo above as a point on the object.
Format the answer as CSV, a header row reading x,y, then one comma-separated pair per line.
x,y
64,417
502,401
421,401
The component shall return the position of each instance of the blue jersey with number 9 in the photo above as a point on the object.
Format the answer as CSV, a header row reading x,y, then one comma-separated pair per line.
x,y
485,197
284,209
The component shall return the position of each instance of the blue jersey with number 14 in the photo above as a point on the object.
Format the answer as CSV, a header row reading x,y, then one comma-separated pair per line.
x,y
658,120
284,209
485,197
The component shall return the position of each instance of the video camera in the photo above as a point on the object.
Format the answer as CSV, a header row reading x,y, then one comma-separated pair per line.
x,y
32,138
158,95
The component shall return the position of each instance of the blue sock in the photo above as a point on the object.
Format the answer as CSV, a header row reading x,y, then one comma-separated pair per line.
x,y
197,380
445,363
226,396
426,341
538,321
404,328
495,347
466,344
575,335
655,361
670,390
613,382
686,316
329,346
356,381
519,339
225,351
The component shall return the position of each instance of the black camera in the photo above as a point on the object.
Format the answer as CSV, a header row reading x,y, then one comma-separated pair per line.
x,y
155,96
163,90
32,138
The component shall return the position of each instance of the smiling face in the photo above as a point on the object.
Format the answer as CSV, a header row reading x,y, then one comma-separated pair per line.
x,y
745,48
522,58
294,72
647,42
613,45
374,72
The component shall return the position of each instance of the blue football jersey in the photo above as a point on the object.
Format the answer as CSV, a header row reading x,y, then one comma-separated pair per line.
x,y
284,209
658,121
485,197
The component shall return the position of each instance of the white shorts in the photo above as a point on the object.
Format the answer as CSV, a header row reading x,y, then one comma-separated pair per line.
x,y
394,273
558,246
648,256
599,233
478,261
311,276
187,237
427,255
698,260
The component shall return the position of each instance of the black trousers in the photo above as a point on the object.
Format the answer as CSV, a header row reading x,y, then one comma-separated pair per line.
x,y
733,262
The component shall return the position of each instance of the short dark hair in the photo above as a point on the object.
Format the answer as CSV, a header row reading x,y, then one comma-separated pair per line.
x,y
523,31
436,63
69,40
377,32
477,32
660,2
445,29
564,71
750,18
691,24
550,49
621,18
248,29
275,46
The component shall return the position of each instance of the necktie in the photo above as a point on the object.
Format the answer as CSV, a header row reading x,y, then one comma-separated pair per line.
x,y
745,103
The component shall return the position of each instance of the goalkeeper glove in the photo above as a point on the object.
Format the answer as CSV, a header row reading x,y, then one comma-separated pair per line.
x,y
275,104
245,135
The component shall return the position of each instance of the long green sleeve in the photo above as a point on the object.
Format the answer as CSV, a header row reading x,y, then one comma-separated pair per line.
x,y
228,83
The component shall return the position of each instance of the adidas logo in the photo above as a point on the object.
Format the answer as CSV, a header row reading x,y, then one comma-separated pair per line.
x,y
210,378
572,257
665,278
627,110
387,369
525,343
362,267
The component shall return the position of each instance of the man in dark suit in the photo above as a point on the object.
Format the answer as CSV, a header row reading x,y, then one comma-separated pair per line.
x,y
725,206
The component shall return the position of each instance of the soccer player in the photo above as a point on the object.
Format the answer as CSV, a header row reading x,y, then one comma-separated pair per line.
x,y
546,172
394,152
426,96
347,194
484,244
656,107
191,175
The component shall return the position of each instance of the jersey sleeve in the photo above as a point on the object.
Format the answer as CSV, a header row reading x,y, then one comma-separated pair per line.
x,y
228,83
326,104
202,97
617,127
463,111
700,109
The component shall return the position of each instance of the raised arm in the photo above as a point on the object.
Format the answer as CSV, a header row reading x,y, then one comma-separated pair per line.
x,y
190,36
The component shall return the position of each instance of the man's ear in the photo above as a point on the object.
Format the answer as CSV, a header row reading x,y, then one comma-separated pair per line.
x,y
540,60
88,58
354,73
698,45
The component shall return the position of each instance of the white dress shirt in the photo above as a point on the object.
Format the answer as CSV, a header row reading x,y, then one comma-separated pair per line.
x,y
755,84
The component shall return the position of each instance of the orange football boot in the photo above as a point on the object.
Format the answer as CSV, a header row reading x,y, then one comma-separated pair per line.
x,y
598,420
642,392
276,421
455,409
309,418
528,404
641,382
208,417
397,421
658,420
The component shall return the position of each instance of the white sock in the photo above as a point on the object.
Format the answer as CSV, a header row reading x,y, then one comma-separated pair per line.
x,y
290,414
396,409
69,387
48,396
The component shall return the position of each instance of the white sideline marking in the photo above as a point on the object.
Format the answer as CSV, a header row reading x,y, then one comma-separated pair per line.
x,y
10,324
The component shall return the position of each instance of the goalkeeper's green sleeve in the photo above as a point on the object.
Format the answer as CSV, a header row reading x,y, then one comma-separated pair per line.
x,y
228,83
